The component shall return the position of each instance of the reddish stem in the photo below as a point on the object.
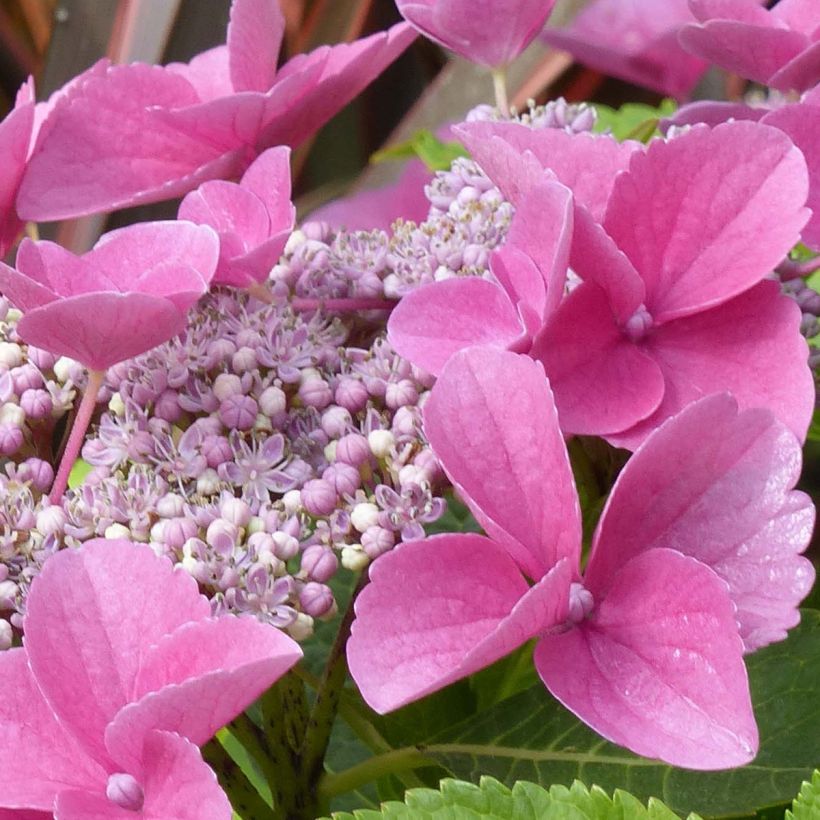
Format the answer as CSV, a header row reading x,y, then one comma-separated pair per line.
x,y
342,305
75,440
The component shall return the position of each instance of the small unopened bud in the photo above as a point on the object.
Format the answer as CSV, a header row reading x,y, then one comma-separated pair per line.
x,y
116,405
301,628
335,421
292,501
315,392
353,449
124,791
51,520
208,482
364,515
400,394
319,497
351,394
320,563
285,546
376,541
117,530
273,401
354,558
11,355
381,443
236,511
170,505
11,439
227,385
316,599
238,412
6,636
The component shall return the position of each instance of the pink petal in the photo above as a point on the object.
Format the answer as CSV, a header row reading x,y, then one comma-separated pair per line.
x,y
102,329
268,176
603,382
712,113
197,679
60,271
91,616
440,609
744,11
254,39
750,346
726,502
587,164
803,15
715,216
491,421
15,137
432,323
208,73
658,667
799,74
40,758
24,293
255,266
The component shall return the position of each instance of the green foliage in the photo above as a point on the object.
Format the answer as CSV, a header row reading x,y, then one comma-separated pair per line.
x,y
807,803
633,120
457,800
78,473
457,518
433,152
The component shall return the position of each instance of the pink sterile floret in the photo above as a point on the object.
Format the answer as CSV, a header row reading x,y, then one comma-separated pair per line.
x,y
779,47
695,560
131,292
489,32
123,674
136,133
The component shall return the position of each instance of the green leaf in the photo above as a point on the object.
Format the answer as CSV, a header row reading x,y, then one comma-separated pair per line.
x,y
433,152
807,803
457,800
814,427
633,120
78,473
531,736
457,518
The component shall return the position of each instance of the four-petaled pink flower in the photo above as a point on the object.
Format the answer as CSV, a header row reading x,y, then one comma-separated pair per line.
x,y
779,47
253,219
489,32
123,674
695,560
128,294
136,133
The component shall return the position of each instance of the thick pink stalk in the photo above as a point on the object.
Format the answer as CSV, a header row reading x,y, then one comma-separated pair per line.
x,y
343,305
75,440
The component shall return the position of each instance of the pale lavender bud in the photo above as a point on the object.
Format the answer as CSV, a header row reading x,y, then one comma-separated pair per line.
x,y
292,526
638,324
227,385
27,377
316,599
273,401
376,541
178,530
244,360
406,421
345,478
39,472
320,563
353,449
217,450
286,546
8,593
351,394
41,358
319,497
220,350
11,439
230,578
423,377
208,482
171,505
315,392
236,511
262,543
221,535
36,403
124,791
238,412
167,406
51,520
336,421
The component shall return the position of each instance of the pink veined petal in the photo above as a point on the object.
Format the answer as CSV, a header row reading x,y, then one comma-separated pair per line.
x,y
255,266
712,113
523,283
750,345
197,679
602,381
208,73
491,421
15,138
24,293
658,666
41,758
702,203
726,502
744,11
587,164
91,616
59,271
799,74
255,35
432,323
803,15
102,329
268,176
440,609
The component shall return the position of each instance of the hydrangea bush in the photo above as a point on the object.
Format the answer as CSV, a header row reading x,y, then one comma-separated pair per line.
x,y
298,515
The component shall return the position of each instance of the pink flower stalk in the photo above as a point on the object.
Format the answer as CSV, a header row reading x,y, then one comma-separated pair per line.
x,y
779,47
690,567
491,33
431,323
253,219
151,133
634,40
124,673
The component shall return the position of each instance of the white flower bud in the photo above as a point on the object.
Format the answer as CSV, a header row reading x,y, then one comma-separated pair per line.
x,y
256,524
354,558
117,531
272,401
14,315
5,635
171,505
301,628
116,405
227,385
364,515
208,482
63,367
12,414
292,500
262,424
294,240
330,451
51,520
11,355
381,443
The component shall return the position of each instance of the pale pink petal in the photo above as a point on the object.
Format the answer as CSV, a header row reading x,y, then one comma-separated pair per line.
x,y
208,73
15,137
602,381
58,270
715,216
440,609
491,421
803,15
712,113
268,176
25,293
726,501
242,271
40,757
524,285
254,38
197,679
91,616
799,74
750,346
658,667
744,11
124,326
587,164
432,323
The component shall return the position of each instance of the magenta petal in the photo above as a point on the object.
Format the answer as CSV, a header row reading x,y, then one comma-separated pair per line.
x,y
40,758
603,382
432,323
244,270
268,176
750,345
801,73
726,502
440,609
199,678
254,38
15,138
712,113
23,292
58,270
658,666
491,421
716,217
125,325
91,616
208,73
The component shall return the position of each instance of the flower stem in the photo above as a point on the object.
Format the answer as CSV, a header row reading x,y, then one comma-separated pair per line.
x,y
78,429
500,86
342,305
